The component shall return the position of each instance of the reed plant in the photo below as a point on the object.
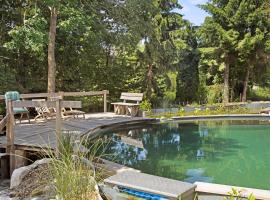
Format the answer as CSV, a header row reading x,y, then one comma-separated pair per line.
x,y
74,176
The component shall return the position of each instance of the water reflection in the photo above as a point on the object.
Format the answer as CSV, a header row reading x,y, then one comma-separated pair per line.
x,y
194,175
180,151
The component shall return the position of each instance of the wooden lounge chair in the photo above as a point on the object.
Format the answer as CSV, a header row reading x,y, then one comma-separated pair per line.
x,y
126,108
74,113
15,96
43,112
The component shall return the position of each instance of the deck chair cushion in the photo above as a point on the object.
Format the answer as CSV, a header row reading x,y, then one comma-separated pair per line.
x,y
20,110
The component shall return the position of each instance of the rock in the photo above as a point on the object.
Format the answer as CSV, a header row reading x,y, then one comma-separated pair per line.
x,y
20,173
112,193
4,195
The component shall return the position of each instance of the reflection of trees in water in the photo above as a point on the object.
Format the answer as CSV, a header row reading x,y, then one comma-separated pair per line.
x,y
166,147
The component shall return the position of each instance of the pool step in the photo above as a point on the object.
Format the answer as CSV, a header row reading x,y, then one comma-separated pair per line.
x,y
168,188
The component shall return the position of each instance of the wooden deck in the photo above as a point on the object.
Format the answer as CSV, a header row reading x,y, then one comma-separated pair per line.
x,y
37,135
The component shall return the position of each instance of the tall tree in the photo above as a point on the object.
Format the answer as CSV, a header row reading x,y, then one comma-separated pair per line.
x,y
51,50
238,29
219,34
163,41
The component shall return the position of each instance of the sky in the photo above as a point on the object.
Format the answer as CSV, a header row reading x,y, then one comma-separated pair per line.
x,y
191,11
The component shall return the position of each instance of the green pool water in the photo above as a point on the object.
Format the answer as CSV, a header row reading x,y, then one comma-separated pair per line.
x,y
235,152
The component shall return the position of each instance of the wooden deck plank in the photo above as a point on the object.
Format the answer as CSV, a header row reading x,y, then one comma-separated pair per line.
x,y
41,134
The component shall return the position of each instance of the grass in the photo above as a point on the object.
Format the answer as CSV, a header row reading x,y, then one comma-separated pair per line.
x,y
220,110
74,175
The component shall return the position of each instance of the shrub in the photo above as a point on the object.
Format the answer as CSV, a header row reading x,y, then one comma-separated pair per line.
x,y
214,94
145,105
259,94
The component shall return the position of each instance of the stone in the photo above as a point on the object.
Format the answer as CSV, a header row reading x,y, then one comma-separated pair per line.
x,y
20,173
4,195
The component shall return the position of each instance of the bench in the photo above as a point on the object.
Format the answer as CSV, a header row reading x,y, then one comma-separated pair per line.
x,y
127,108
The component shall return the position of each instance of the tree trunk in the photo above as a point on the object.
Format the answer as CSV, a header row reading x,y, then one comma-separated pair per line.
x,y
244,93
51,49
226,83
149,81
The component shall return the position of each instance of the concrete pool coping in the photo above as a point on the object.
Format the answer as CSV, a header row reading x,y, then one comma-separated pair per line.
x,y
201,187
212,188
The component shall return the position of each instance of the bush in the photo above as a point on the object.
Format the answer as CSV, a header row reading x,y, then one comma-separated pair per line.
x,y
170,96
219,110
145,105
259,94
214,94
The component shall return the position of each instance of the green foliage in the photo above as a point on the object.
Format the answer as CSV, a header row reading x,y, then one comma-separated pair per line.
x,y
145,105
259,94
31,36
198,111
236,36
214,94
73,174
135,46
188,74
236,195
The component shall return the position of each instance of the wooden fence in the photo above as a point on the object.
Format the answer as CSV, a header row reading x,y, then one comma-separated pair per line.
x,y
9,122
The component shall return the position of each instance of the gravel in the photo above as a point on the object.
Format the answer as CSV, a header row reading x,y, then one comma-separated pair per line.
x,y
4,189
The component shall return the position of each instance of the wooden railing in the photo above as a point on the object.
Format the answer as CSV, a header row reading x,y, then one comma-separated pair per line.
x,y
53,100
103,93
3,123
9,121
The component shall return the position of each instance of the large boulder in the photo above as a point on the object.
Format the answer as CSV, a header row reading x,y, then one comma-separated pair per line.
x,y
19,174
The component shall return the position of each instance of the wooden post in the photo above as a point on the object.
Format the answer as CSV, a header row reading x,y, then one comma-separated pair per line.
x,y
20,159
105,100
10,136
58,124
4,162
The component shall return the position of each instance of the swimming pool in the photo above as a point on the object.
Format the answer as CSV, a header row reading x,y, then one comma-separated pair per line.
x,y
233,152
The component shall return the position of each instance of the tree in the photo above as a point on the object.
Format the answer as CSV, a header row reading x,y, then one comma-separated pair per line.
x,y
188,74
51,50
163,42
218,33
238,29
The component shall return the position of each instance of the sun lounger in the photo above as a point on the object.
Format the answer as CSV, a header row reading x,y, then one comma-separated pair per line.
x,y
44,112
72,112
